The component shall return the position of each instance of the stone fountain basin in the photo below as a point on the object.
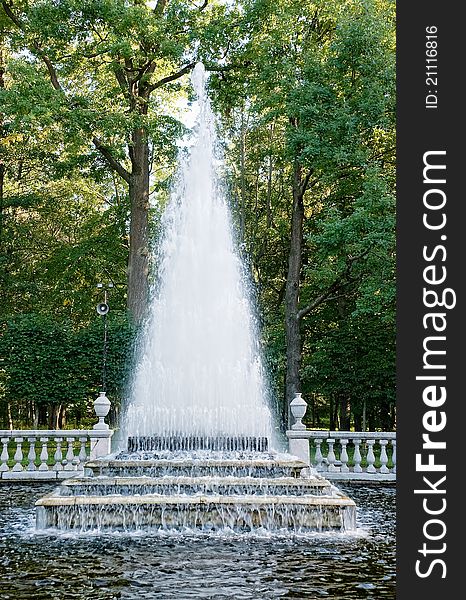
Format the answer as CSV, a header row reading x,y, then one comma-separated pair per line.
x,y
278,493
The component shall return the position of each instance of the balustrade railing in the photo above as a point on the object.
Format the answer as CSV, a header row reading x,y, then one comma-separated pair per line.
x,y
50,454
342,454
35,454
38,454
347,454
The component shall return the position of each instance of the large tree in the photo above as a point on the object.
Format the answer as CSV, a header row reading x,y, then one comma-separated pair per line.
x,y
316,105
112,68
62,220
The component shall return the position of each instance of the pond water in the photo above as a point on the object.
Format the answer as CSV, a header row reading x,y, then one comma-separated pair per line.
x,y
174,566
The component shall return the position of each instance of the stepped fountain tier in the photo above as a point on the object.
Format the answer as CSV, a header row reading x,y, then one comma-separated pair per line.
x,y
199,490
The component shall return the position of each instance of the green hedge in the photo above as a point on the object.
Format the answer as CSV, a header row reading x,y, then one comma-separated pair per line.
x,y
46,363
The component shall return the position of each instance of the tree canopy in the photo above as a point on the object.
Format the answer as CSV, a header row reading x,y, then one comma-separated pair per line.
x,y
91,95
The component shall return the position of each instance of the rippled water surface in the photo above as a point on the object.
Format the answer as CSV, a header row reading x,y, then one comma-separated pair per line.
x,y
162,567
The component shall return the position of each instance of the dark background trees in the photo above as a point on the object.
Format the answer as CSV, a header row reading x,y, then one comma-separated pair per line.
x,y
90,95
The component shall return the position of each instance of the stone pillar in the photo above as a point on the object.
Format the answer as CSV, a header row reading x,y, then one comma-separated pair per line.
x,y
100,446
299,446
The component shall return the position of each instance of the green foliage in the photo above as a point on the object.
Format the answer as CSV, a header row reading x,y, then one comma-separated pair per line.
x,y
56,251
108,59
88,341
63,221
90,98
354,359
36,354
47,365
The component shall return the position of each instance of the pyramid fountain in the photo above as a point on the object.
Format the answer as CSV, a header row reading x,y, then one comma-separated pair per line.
x,y
202,451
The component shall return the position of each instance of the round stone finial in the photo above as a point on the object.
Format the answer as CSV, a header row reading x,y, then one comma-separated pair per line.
x,y
298,410
101,408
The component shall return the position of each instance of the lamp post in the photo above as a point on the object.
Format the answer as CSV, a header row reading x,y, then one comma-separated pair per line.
x,y
102,403
102,310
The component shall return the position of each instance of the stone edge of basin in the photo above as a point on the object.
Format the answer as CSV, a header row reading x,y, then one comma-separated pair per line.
x,y
150,499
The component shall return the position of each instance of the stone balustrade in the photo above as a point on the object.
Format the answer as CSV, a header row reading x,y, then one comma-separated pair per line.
x,y
54,454
341,455
356,455
36,454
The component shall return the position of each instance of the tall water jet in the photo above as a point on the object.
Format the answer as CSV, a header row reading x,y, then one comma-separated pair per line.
x,y
200,371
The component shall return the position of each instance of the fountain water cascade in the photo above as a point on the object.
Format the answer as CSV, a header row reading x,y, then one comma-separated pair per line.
x,y
201,372
201,451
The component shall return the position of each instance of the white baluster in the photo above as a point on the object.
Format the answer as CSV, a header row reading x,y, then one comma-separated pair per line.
x,y
18,457
44,454
70,465
370,457
383,456
5,456
58,456
82,451
318,456
331,455
393,455
357,456
344,456
32,454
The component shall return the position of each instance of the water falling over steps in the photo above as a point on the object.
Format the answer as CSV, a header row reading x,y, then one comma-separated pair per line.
x,y
201,490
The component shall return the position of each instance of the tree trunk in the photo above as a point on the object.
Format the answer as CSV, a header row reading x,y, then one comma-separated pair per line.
x,y
61,417
138,262
331,425
344,413
292,328
52,414
35,415
335,425
385,415
371,420
42,415
10,417
357,417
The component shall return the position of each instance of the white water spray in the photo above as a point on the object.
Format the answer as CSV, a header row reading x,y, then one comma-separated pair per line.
x,y
200,371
